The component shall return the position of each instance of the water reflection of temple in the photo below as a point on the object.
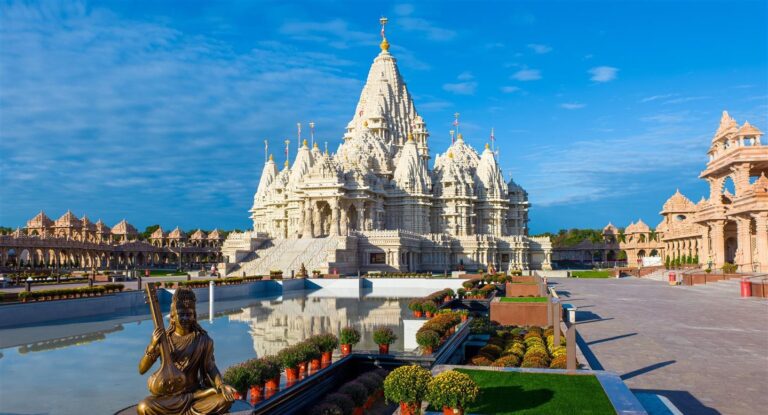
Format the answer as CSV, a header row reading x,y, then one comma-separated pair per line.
x,y
277,324
63,342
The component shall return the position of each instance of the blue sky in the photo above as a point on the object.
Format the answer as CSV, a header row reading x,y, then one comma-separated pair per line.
x,y
157,111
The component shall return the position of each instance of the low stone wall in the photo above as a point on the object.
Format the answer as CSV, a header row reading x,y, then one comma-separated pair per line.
x,y
519,314
759,287
522,289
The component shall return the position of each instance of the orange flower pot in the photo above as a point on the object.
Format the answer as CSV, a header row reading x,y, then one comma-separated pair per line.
x,y
358,411
273,384
383,349
418,314
302,367
447,410
409,408
327,357
314,364
346,349
428,314
257,394
291,374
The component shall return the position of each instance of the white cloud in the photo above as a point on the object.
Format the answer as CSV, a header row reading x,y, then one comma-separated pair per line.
x,y
603,73
336,33
404,9
682,100
432,32
539,48
465,76
509,89
461,88
527,75
657,97
572,105
104,104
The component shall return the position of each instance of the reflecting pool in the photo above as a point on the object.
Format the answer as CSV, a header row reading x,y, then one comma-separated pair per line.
x,y
91,366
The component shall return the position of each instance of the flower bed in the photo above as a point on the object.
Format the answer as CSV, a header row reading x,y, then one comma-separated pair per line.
x,y
520,311
436,330
430,303
529,347
219,281
410,385
375,274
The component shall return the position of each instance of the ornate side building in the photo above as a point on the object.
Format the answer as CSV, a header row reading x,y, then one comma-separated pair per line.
x,y
376,204
729,226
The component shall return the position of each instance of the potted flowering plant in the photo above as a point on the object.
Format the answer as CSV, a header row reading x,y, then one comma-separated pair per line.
x,y
461,292
416,307
290,357
452,391
308,352
429,308
273,367
325,342
237,376
464,314
384,336
257,370
429,340
358,393
448,295
348,337
407,385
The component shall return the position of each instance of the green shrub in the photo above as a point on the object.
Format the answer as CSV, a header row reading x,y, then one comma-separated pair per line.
x,y
349,335
452,389
507,361
481,361
428,338
344,402
415,305
407,384
290,357
237,376
384,335
257,371
558,362
356,391
325,342
492,349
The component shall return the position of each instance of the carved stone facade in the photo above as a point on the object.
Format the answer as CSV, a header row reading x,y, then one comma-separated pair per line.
x,y
731,225
379,189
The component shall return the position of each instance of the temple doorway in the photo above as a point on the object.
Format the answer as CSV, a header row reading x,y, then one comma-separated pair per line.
x,y
730,250
353,219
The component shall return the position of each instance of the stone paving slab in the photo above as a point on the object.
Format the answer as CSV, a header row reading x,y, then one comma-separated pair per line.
x,y
703,347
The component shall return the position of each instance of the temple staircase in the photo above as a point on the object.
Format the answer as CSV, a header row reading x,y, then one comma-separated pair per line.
x,y
287,255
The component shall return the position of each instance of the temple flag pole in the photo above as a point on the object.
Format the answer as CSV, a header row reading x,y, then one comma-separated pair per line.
x,y
266,150
287,157
298,136
453,138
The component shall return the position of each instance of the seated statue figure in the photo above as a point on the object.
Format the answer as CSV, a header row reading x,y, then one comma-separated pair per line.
x,y
204,391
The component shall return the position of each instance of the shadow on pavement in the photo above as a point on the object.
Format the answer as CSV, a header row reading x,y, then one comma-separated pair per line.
x,y
611,338
650,368
587,352
683,400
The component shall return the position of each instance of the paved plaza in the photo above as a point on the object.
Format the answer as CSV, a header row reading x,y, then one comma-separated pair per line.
x,y
702,347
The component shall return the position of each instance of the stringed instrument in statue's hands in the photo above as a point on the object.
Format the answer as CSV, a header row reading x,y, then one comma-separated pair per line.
x,y
167,380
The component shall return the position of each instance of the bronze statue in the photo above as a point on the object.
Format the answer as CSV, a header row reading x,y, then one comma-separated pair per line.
x,y
188,381
303,271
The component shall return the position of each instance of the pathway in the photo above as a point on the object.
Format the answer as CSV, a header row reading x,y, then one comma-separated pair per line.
x,y
702,347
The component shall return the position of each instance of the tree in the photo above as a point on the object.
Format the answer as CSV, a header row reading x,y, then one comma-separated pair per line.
x,y
148,232
667,262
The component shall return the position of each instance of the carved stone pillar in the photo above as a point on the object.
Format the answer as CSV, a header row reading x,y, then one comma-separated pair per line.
x,y
741,177
307,231
343,222
334,217
761,225
360,208
316,224
704,252
715,189
744,251
718,242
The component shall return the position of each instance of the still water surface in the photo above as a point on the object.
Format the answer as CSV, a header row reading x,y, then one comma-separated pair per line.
x,y
91,366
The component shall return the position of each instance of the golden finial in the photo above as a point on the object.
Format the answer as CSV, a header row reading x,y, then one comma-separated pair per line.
x,y
305,143
410,137
286,164
271,157
365,123
450,154
384,44
487,146
314,145
460,137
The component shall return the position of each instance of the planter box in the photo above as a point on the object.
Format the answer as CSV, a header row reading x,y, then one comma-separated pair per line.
x,y
519,314
760,289
525,278
522,290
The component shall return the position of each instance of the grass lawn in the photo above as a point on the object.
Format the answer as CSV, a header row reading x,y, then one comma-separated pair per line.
x,y
538,393
591,274
165,273
523,299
